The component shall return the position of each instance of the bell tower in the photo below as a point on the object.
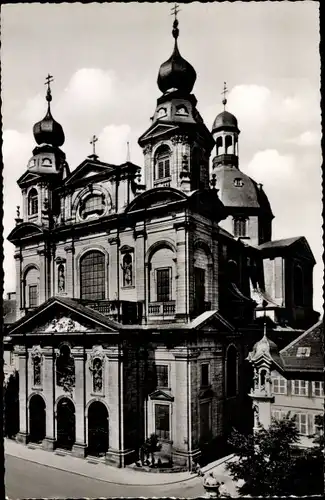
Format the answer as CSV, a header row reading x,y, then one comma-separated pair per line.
x,y
45,169
177,145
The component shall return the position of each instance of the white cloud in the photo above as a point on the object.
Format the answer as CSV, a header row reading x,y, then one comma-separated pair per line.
x,y
251,103
271,168
308,138
112,143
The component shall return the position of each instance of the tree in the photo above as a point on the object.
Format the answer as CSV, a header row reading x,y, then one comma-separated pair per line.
x,y
270,463
11,405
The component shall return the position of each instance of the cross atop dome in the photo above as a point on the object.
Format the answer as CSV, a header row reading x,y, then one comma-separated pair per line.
x,y
48,80
224,92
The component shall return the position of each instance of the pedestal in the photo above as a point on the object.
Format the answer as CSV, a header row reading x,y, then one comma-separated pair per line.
x,y
79,450
48,444
120,458
22,437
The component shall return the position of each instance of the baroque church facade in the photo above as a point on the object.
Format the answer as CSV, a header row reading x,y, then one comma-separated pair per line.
x,y
138,303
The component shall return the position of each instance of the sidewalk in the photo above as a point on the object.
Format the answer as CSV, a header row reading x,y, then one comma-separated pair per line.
x,y
100,471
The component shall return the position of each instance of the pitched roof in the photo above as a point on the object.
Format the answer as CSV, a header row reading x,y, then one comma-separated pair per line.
x,y
313,339
280,243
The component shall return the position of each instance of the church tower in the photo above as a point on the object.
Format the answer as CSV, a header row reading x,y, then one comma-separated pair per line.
x,y
32,235
177,145
250,216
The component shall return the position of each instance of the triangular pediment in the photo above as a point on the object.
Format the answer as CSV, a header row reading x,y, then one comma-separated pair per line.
x,y
63,316
211,322
87,169
302,249
157,130
28,178
161,396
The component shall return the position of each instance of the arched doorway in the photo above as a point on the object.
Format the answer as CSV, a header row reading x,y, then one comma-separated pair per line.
x,y
97,429
66,424
37,421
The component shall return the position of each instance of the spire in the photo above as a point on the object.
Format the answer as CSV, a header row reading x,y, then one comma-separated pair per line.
x,y
48,131
224,92
128,156
176,73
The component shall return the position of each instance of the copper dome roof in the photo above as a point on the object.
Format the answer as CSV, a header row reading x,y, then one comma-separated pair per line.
x,y
176,73
225,119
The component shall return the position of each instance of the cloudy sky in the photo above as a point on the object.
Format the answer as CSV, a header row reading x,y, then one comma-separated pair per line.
x,y
105,59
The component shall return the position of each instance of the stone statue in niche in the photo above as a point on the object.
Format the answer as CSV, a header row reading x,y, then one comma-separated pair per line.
x,y
97,370
37,370
61,278
127,270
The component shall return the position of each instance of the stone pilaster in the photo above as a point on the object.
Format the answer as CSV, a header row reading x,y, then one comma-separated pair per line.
x,y
19,284
79,448
49,395
70,278
181,272
215,272
141,280
22,436
113,290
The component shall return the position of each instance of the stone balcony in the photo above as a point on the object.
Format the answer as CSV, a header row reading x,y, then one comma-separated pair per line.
x,y
122,311
164,310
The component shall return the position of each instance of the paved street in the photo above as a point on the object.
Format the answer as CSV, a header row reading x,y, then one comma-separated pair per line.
x,y
27,479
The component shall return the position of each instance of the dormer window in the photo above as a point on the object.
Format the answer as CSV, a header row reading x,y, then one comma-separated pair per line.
x,y
162,112
33,202
181,110
46,162
162,163
238,182
93,205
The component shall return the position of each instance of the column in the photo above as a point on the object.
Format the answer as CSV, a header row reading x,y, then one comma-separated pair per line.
x,y
70,272
181,272
214,296
79,448
43,295
48,365
22,436
113,391
180,424
19,284
141,269
113,291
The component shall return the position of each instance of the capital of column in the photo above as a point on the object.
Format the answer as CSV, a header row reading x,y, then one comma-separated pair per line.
x,y
188,226
114,240
140,233
69,249
18,256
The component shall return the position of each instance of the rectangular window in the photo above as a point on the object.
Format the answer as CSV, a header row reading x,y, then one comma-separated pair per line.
x,y
279,385
278,414
240,227
32,295
163,284
300,388
205,379
162,423
301,422
318,424
162,376
205,420
318,388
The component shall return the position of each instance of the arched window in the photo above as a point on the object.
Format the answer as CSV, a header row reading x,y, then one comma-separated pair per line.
x,y
181,110
65,369
93,205
92,276
127,270
162,163
232,270
228,143
240,227
97,370
231,372
262,379
46,162
298,285
219,145
37,370
32,202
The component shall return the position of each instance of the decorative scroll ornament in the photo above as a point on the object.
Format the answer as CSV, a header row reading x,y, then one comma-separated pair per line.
x,y
147,149
180,139
97,358
65,370
36,352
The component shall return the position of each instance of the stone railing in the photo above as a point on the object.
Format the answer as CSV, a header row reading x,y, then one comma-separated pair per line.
x,y
162,308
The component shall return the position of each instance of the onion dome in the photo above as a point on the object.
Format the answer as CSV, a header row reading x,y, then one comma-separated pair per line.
x,y
48,131
176,73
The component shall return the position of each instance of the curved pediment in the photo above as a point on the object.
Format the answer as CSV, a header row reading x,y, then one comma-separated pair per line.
x,y
156,197
25,230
